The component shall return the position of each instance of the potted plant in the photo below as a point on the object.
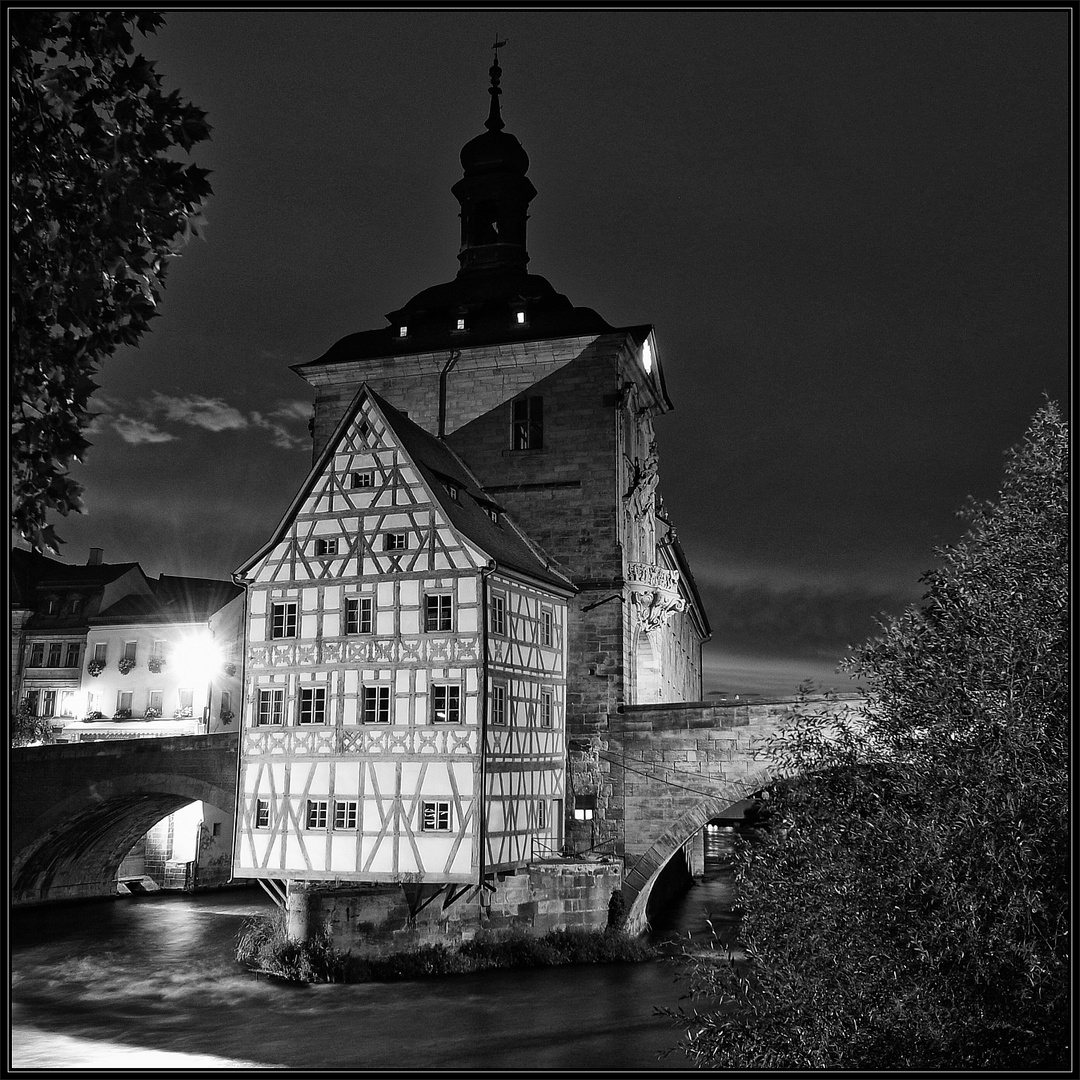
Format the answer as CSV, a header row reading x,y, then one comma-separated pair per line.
x,y
96,667
122,714
125,664
152,714
230,670
155,664
228,716
90,717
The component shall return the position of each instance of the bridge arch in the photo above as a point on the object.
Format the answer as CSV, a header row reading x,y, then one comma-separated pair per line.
x,y
76,811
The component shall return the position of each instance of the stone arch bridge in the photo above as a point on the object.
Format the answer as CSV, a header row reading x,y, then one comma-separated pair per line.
x,y
672,768
75,811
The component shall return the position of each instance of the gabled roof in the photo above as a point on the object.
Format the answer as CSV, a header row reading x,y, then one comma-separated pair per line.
x,y
504,543
39,572
174,600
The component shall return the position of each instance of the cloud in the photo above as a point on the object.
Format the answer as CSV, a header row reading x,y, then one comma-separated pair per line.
x,y
137,432
213,414
290,412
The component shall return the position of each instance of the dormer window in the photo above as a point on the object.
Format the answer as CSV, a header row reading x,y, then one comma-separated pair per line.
x,y
402,331
452,490
519,317
459,323
647,357
493,514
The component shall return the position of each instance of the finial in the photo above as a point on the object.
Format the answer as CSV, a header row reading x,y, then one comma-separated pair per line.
x,y
494,120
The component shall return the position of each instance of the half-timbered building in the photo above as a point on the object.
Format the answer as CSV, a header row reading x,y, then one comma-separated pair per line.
x,y
406,689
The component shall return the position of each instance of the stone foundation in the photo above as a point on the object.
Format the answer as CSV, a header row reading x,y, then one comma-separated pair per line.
x,y
377,919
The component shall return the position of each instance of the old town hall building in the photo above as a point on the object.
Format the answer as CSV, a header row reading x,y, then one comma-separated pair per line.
x,y
476,572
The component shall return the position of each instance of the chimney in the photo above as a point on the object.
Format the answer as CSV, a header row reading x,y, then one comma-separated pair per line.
x,y
94,558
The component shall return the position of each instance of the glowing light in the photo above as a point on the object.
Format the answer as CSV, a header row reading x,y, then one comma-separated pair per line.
x,y
197,657
521,318
646,356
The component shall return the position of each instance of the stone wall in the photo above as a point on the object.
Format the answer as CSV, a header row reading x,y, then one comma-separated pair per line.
x,y
376,919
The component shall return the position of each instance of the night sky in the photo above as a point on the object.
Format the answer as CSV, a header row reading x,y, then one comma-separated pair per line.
x,y
850,230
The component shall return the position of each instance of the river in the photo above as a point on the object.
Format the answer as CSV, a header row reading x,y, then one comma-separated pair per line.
x,y
148,982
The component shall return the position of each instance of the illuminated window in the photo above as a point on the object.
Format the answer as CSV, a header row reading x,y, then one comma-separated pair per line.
x,y
519,317
48,703
363,478
376,709
403,332
67,703
283,620
316,814
445,704
546,709
438,612
326,546
156,700
395,541
312,705
37,654
528,424
646,356
187,704
262,813
359,613
498,705
436,817
459,324
271,707
123,702
345,815
547,627
584,807
55,649
498,613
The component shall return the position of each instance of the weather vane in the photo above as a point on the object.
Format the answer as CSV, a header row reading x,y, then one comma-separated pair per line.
x,y
498,45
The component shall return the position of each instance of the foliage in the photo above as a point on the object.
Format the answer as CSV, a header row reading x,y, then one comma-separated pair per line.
x,y
227,716
95,667
28,729
99,204
156,664
906,898
152,713
264,946
122,714
125,664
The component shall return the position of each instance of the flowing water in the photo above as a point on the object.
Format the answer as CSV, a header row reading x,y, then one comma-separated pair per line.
x,y
150,982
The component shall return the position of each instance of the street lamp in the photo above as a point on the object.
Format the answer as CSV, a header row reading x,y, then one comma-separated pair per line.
x,y
198,659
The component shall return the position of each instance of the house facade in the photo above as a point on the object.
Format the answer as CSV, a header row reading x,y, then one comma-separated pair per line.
x,y
406,691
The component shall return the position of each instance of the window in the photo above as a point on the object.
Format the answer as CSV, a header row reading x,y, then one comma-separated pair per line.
x,y
363,478
359,611
459,324
493,514
101,651
545,708
129,650
528,424
52,605
72,605
541,815
316,814
48,703
67,703
376,705
436,817
71,654
215,829
55,648
226,703
123,701
326,545
519,317
345,815
395,541
283,620
438,612
498,613
584,807
271,708
157,701
262,813
402,331
37,654
157,650
498,705
547,627
445,704
452,490
187,702
32,698
313,705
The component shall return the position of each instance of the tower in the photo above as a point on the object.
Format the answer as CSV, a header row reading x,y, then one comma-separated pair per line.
x,y
550,411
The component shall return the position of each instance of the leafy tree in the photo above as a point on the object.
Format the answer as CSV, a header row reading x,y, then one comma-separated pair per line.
x,y
99,205
28,729
906,894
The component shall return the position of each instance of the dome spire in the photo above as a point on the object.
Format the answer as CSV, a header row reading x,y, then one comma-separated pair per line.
x,y
494,121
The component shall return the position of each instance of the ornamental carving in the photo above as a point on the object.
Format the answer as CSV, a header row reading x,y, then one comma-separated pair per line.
x,y
643,479
655,577
655,608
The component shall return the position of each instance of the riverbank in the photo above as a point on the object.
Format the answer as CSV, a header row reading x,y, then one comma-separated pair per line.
x,y
263,947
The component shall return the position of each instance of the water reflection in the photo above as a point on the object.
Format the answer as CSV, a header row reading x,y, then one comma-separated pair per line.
x,y
137,982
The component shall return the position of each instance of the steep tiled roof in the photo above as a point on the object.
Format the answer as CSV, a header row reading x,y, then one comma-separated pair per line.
x,y
175,599
504,542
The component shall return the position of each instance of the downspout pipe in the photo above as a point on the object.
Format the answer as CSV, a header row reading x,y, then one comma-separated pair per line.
x,y
455,355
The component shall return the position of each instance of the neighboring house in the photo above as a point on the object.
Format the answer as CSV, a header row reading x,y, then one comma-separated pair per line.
x,y
406,691
105,653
